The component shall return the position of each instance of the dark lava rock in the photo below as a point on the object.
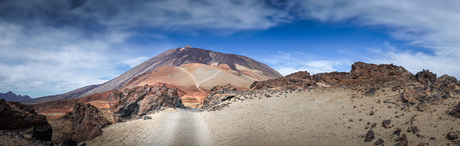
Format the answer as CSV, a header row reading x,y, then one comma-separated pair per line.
x,y
425,76
370,92
397,131
374,125
452,135
386,123
87,122
69,142
403,141
14,115
371,113
369,136
456,111
379,142
147,118
413,129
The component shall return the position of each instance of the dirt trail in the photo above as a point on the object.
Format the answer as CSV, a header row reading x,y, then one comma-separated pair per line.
x,y
194,80
171,127
198,85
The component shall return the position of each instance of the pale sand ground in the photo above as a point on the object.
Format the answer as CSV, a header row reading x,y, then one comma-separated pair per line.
x,y
306,118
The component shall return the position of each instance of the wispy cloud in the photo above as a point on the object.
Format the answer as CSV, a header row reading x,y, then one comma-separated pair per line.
x,y
287,63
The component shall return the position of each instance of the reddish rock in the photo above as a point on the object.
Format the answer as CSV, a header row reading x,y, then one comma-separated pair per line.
x,y
437,99
409,95
132,103
87,122
452,135
369,136
301,79
14,115
422,106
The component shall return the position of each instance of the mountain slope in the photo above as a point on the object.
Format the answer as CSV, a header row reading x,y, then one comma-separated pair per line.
x,y
178,57
10,96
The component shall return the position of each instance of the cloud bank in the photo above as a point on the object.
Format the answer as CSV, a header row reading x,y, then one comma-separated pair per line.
x,y
51,47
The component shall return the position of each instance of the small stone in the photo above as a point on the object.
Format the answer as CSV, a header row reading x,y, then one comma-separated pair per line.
x,y
432,138
368,123
147,118
422,106
386,123
403,141
374,125
351,120
397,131
379,142
371,113
360,119
369,136
451,136
366,127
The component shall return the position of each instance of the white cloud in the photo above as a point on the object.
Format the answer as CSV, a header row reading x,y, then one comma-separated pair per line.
x,y
286,63
43,60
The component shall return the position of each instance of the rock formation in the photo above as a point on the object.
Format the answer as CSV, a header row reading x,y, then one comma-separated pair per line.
x,y
363,76
10,96
87,122
132,103
218,94
14,115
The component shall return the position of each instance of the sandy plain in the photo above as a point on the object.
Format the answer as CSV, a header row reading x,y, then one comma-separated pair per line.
x,y
330,116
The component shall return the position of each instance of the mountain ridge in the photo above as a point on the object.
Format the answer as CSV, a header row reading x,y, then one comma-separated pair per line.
x,y
171,57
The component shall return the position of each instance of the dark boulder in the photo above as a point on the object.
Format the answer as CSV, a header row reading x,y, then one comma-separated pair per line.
x,y
425,77
379,142
14,115
133,103
386,123
403,141
456,111
369,136
69,142
452,135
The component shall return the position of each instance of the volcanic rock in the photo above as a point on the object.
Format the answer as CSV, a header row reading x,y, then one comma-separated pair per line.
x,y
456,111
403,141
132,103
379,142
301,79
69,142
422,106
87,122
18,116
386,123
425,77
369,136
409,95
452,135
218,95
437,99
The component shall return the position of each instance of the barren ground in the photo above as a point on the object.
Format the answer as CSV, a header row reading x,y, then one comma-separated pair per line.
x,y
316,117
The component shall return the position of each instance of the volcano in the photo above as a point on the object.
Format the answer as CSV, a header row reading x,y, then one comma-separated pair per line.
x,y
190,69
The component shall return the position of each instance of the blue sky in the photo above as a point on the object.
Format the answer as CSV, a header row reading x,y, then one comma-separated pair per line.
x,y
51,47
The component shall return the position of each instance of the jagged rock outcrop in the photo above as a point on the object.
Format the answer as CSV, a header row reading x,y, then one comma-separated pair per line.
x,y
363,76
14,115
218,94
10,96
301,79
87,122
133,103
426,77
